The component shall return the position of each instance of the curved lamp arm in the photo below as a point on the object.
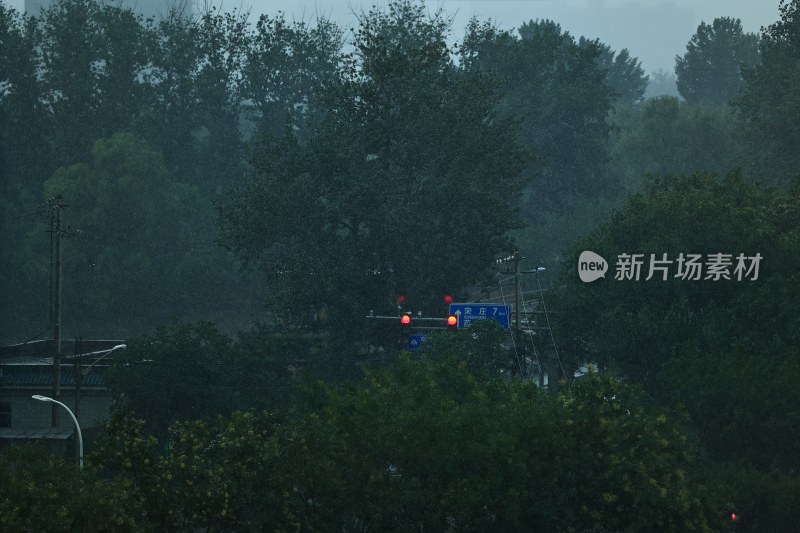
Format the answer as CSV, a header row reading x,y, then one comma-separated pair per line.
x,y
77,426
117,347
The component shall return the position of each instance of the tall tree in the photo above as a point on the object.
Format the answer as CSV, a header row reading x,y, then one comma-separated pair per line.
x,y
666,136
624,73
558,89
725,347
131,263
285,66
22,113
222,41
94,60
375,201
710,72
770,102
83,71
197,82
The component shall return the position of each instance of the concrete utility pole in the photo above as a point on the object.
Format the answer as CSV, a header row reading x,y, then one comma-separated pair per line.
x,y
56,311
517,297
77,354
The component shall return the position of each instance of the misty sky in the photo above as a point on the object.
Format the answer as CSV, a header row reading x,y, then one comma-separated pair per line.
x,y
655,31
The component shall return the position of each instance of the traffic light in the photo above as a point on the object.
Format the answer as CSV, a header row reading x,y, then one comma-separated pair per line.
x,y
452,323
405,328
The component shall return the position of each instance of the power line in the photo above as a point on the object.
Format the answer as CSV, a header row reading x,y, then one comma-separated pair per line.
x,y
549,327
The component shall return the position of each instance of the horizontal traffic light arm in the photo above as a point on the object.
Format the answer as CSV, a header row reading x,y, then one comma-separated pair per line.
x,y
413,318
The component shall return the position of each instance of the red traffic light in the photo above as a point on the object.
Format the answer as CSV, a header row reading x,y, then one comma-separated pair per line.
x,y
405,320
452,323
734,517
448,299
401,298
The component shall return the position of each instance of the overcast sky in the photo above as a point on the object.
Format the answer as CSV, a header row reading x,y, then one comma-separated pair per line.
x,y
655,31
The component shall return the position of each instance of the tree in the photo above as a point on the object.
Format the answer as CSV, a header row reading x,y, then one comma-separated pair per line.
x,y
129,262
22,114
558,88
196,372
665,136
222,42
41,492
432,442
80,72
662,83
22,117
93,62
624,73
284,65
771,99
709,346
697,214
364,209
197,102
710,70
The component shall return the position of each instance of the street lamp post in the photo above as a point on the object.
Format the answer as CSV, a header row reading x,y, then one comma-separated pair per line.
x,y
77,426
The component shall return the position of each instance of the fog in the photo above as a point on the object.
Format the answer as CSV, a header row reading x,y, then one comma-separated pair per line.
x,y
653,31
325,271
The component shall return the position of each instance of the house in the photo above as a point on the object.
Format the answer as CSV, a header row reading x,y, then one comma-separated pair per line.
x,y
27,369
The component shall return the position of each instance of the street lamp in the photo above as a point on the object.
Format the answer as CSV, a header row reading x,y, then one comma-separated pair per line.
x,y
78,427
80,375
117,347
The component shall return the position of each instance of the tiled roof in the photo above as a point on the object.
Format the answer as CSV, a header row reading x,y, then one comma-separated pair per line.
x,y
35,433
45,347
39,375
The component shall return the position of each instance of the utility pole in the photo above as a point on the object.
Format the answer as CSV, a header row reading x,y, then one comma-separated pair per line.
x,y
56,205
518,304
78,357
517,297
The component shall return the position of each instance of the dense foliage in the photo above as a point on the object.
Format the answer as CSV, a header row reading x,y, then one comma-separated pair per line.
x,y
666,136
433,442
404,164
710,72
770,102
725,347
393,144
405,185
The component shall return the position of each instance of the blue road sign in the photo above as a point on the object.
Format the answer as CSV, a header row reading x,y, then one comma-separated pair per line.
x,y
415,340
469,313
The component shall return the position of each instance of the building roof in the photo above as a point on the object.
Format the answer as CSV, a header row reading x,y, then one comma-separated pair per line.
x,y
31,364
44,348
41,375
35,433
